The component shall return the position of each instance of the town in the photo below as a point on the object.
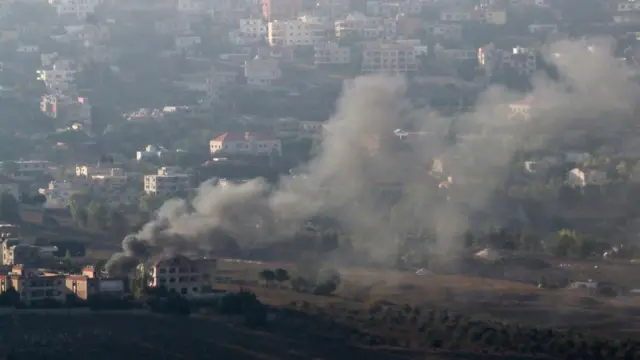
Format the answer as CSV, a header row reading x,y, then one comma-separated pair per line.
x,y
397,178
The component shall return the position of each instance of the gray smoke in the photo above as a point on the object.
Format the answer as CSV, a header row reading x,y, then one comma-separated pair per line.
x,y
358,157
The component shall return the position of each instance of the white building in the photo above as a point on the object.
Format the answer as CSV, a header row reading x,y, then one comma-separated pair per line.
x,y
187,42
253,28
582,178
166,185
359,26
89,171
245,143
389,58
262,72
150,152
332,54
299,32
191,6
75,8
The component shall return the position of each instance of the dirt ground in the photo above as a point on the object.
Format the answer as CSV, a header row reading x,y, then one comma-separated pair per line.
x,y
480,297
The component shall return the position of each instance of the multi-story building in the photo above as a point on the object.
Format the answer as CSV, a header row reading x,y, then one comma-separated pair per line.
x,y
75,8
35,285
583,177
90,171
31,169
300,32
253,28
523,60
262,72
181,275
69,109
332,54
245,143
378,57
62,71
58,193
281,9
166,185
357,25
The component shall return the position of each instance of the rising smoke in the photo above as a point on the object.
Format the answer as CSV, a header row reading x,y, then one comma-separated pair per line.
x,y
358,157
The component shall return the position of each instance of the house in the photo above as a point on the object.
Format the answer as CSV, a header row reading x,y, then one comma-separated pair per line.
x,y
31,169
357,25
494,17
581,178
78,9
246,143
58,193
444,30
187,42
261,72
89,171
331,54
523,60
181,275
543,29
456,16
393,58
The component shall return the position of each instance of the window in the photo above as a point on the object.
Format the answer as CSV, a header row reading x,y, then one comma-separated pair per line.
x,y
172,271
184,291
162,271
195,289
172,280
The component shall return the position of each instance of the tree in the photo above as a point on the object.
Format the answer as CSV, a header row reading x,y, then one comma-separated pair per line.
x,y
268,276
9,208
151,203
281,275
96,215
118,224
9,168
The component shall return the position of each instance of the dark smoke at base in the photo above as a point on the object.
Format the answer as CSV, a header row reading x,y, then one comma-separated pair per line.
x,y
357,157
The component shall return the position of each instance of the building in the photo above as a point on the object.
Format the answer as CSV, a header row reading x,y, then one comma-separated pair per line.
x,y
31,169
166,185
331,54
62,71
75,8
281,9
494,17
543,29
151,152
627,12
34,285
182,275
523,60
521,109
191,7
67,108
456,16
391,58
245,143
359,26
15,252
90,171
253,28
583,177
58,193
261,72
300,32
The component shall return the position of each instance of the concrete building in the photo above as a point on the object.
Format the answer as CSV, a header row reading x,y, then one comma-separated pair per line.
x,y
331,54
253,28
89,171
75,8
583,177
68,108
31,169
281,9
168,185
262,72
360,26
378,57
298,32
245,143
15,252
182,275
523,60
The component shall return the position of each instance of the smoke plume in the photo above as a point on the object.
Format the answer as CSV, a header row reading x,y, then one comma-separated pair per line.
x,y
360,156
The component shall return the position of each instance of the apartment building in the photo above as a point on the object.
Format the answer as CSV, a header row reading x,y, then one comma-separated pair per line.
x,y
13,252
331,54
68,108
357,25
253,28
245,143
391,58
281,9
75,8
262,72
31,169
298,32
181,275
523,60
168,185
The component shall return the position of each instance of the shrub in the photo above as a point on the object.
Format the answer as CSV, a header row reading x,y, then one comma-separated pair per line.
x,y
238,303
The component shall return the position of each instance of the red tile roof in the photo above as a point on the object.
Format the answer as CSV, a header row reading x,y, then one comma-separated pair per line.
x,y
243,136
